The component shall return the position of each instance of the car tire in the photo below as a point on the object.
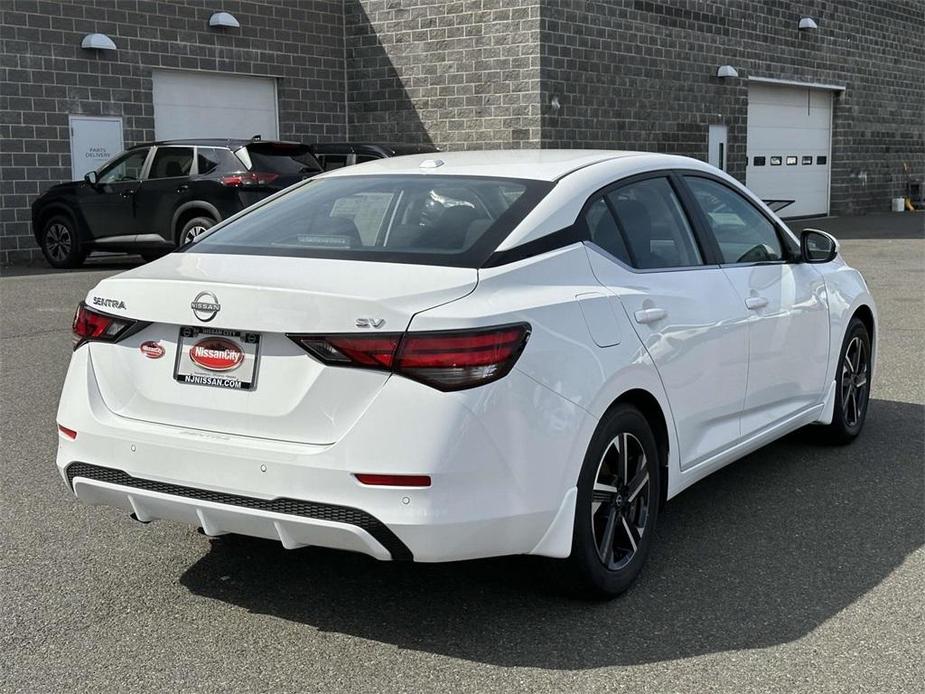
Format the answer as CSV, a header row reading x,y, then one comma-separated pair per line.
x,y
618,494
61,244
852,385
192,228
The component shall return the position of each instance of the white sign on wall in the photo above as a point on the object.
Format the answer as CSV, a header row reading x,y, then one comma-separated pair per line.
x,y
94,141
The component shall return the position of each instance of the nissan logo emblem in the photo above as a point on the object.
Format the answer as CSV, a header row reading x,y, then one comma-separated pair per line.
x,y
205,306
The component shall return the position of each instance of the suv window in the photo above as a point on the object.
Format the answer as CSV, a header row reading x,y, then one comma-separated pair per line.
x,y
216,160
279,158
333,161
363,158
744,234
171,162
602,228
126,168
654,225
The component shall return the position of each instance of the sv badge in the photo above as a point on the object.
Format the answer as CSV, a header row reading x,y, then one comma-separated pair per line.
x,y
370,322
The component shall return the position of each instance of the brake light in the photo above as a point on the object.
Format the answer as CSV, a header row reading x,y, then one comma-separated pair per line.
x,y
450,360
68,433
249,178
90,325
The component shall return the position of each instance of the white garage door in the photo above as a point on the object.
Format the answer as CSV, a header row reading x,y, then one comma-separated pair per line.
x,y
207,104
789,143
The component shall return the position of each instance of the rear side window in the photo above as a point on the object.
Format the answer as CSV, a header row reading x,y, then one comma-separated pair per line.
x,y
654,225
171,162
363,158
280,158
433,220
216,160
602,228
744,234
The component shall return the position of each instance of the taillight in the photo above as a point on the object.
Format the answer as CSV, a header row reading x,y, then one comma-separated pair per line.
x,y
450,360
249,178
89,325
67,433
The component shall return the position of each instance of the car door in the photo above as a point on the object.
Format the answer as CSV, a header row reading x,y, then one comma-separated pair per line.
x,y
644,248
165,188
788,322
108,205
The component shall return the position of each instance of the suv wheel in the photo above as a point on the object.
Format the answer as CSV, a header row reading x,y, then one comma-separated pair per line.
x,y
193,228
60,244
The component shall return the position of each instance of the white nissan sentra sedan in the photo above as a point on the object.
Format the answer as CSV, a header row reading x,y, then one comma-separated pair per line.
x,y
462,355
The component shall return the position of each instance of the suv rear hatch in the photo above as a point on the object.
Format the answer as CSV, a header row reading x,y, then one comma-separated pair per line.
x,y
288,395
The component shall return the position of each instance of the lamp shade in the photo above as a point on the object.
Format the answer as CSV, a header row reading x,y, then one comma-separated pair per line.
x,y
224,19
99,42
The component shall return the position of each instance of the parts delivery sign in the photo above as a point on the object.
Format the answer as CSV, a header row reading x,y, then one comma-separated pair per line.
x,y
94,141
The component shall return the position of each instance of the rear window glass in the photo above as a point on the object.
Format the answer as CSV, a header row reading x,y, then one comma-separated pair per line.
x,y
280,159
434,220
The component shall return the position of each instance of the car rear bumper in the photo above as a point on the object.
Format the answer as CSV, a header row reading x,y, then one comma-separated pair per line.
x,y
498,478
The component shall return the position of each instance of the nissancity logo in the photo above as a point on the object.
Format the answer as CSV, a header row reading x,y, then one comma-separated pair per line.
x,y
216,354
205,306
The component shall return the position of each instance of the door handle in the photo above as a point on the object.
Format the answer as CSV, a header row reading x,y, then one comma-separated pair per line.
x,y
650,315
753,303
182,188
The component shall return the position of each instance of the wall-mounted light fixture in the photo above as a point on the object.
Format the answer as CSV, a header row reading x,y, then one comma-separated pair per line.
x,y
808,24
225,20
726,71
554,104
99,42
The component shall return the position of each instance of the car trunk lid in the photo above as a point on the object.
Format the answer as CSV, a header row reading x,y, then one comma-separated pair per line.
x,y
293,397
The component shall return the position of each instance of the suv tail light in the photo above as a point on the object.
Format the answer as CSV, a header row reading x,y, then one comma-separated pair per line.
x,y
446,360
249,178
90,325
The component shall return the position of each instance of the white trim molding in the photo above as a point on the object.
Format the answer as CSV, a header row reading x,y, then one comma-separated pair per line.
x,y
797,83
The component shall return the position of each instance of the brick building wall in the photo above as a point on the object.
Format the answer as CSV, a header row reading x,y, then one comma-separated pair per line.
x,y
463,74
637,74
45,75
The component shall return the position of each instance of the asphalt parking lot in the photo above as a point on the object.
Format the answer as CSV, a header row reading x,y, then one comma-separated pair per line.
x,y
799,568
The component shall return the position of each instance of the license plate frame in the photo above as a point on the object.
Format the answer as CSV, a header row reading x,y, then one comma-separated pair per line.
x,y
242,376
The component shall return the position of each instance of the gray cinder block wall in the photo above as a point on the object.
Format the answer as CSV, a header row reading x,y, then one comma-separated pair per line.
x,y
45,75
638,74
463,74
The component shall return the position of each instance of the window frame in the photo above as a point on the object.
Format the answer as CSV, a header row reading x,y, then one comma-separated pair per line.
x,y
149,164
145,165
790,254
708,252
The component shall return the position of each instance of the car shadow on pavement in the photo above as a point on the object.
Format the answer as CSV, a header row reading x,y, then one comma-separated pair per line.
x,y
758,554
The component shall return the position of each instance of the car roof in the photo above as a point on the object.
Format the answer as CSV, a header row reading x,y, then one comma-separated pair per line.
x,y
387,148
536,164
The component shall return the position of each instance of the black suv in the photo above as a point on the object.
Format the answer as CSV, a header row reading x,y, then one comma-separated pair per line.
x,y
334,155
155,197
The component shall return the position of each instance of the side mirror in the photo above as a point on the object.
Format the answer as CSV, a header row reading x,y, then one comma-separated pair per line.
x,y
91,177
817,246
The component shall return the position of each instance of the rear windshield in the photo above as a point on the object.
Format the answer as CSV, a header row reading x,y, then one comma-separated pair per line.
x,y
424,219
278,158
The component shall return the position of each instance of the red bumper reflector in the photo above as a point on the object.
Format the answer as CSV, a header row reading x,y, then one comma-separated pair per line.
x,y
394,480
70,433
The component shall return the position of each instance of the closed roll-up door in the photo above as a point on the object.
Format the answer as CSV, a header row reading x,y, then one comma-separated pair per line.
x,y
789,146
205,104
